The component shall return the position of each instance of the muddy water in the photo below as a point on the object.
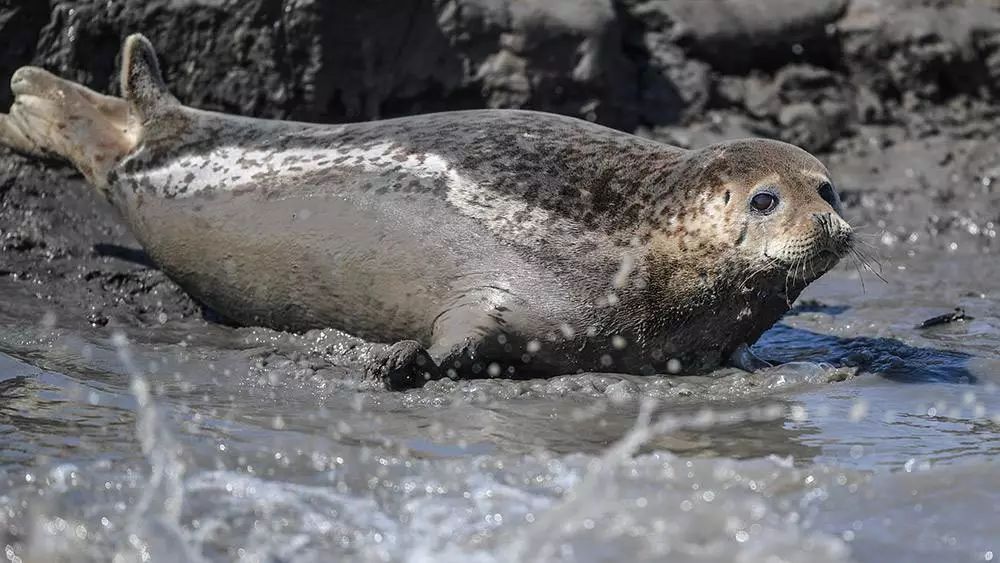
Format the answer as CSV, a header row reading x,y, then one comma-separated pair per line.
x,y
875,441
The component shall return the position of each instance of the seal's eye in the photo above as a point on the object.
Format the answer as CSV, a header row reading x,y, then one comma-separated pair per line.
x,y
764,202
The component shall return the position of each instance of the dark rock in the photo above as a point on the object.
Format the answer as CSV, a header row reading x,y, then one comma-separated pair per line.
x,y
561,56
736,35
20,24
672,87
353,60
811,106
920,54
812,126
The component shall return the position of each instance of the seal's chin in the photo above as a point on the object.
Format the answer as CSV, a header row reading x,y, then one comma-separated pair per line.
x,y
809,265
819,263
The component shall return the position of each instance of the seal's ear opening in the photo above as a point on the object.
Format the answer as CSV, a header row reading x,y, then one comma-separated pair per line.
x,y
141,80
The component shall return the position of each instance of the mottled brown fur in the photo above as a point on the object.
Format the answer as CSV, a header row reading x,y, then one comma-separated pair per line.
x,y
488,242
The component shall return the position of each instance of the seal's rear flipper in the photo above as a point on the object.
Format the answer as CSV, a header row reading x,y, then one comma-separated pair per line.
x,y
52,116
55,117
142,82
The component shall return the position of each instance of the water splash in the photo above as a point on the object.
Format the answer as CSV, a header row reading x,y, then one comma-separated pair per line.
x,y
604,506
155,532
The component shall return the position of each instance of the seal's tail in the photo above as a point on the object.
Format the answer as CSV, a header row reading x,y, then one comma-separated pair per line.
x,y
55,117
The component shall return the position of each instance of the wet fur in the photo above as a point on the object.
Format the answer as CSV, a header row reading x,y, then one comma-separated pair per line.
x,y
507,242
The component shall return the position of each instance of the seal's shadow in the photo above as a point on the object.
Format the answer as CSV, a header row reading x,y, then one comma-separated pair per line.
x,y
887,357
812,306
135,256
139,257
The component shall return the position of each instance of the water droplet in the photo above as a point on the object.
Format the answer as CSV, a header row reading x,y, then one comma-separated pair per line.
x,y
858,410
798,413
48,320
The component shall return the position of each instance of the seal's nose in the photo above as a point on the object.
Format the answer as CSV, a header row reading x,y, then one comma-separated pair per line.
x,y
838,231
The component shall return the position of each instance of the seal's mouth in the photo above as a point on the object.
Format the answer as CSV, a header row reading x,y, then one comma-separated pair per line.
x,y
832,245
810,267
825,260
801,260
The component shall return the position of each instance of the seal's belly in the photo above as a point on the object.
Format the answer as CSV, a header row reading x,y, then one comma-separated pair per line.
x,y
313,257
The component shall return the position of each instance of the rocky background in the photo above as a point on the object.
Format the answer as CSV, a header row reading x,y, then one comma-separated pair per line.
x,y
899,97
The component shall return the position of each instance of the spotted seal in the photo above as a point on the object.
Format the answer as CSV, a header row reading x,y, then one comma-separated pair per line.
x,y
477,243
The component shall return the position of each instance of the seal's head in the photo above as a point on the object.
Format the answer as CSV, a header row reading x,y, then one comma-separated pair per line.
x,y
788,211
756,207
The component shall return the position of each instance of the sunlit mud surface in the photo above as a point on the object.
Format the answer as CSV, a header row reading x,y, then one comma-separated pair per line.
x,y
875,441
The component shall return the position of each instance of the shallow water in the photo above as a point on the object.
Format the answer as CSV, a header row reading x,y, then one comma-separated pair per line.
x,y
199,442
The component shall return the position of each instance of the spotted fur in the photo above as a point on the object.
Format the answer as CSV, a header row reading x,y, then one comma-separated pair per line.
x,y
537,243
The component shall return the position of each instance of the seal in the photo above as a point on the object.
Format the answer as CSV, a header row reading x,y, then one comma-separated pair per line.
x,y
484,243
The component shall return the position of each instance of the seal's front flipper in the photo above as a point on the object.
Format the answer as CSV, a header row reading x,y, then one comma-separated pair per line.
x,y
57,118
460,350
744,359
404,365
